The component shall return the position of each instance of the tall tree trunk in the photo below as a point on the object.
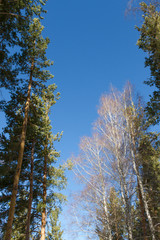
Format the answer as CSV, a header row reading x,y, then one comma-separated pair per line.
x,y
139,180
126,201
115,223
104,200
127,210
143,221
44,199
107,217
132,133
31,193
19,163
141,188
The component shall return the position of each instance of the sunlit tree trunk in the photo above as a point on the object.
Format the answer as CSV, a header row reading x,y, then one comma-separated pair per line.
x,y
143,219
31,193
127,204
150,221
43,225
104,201
111,126
20,159
133,130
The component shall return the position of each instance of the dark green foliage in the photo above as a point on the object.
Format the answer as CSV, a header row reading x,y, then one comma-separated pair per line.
x,y
16,18
150,172
38,128
149,42
23,57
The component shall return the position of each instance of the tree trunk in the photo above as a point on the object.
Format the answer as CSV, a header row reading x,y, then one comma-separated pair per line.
x,y
131,137
141,188
143,221
115,223
107,217
127,211
44,200
126,201
31,193
104,200
19,164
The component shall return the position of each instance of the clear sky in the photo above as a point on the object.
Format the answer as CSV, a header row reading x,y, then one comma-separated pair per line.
x,y
93,46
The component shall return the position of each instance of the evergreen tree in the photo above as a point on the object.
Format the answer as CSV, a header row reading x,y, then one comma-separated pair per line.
x,y
51,176
32,62
150,172
30,195
15,17
55,232
116,216
149,42
36,50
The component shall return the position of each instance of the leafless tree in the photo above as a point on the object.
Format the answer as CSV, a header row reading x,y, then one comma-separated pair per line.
x,y
91,168
111,158
111,127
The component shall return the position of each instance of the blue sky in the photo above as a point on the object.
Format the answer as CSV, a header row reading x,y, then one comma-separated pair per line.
x,y
93,46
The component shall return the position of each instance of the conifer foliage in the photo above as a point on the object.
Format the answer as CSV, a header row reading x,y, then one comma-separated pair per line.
x,y
29,177
149,42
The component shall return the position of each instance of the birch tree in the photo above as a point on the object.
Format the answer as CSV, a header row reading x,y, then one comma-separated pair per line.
x,y
112,157
92,169
134,129
111,126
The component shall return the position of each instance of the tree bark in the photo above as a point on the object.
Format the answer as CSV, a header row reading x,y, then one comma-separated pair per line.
x,y
126,201
44,199
31,193
104,200
127,211
152,230
134,153
115,222
20,159
143,221
107,217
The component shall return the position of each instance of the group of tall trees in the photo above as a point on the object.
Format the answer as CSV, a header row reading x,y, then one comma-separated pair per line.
x,y
119,165
30,178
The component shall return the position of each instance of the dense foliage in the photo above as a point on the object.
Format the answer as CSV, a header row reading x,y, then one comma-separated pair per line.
x,y
149,42
30,177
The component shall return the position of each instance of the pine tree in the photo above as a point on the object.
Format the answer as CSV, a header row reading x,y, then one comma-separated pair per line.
x,y
15,17
116,217
30,194
149,42
34,61
51,175
55,232
150,172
